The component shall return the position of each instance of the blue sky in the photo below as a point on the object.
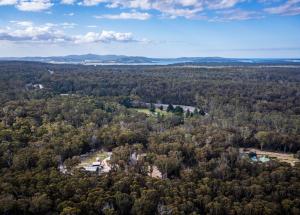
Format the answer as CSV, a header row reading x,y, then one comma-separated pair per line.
x,y
153,28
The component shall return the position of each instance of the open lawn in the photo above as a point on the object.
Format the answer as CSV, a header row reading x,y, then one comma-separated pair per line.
x,y
88,159
149,113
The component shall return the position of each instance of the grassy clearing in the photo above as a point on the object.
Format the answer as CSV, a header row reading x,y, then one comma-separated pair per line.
x,y
143,110
282,157
90,158
149,113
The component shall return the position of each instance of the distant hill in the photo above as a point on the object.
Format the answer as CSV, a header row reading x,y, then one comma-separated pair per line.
x,y
130,60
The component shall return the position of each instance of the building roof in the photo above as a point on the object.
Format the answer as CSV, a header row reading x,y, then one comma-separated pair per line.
x,y
91,168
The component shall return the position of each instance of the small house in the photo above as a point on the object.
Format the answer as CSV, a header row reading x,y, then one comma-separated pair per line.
x,y
97,163
91,168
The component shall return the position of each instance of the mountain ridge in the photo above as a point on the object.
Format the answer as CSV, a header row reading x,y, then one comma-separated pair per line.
x,y
123,59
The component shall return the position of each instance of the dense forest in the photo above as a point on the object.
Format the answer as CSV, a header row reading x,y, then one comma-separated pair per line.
x,y
51,114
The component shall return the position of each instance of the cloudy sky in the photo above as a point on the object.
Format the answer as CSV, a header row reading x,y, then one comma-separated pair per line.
x,y
156,28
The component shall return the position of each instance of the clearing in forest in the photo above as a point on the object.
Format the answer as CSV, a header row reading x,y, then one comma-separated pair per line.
x,y
280,156
88,159
149,113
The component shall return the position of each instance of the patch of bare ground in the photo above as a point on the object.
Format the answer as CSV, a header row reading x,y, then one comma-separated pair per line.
x,y
154,172
280,156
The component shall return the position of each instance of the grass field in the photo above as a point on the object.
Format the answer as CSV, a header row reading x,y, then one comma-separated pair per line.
x,y
90,158
149,113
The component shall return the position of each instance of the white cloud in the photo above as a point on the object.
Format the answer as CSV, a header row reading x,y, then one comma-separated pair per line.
x,y
194,8
178,8
92,2
7,2
22,23
68,1
235,14
105,37
187,3
133,15
168,8
182,12
25,31
291,7
142,9
222,4
34,5
32,33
